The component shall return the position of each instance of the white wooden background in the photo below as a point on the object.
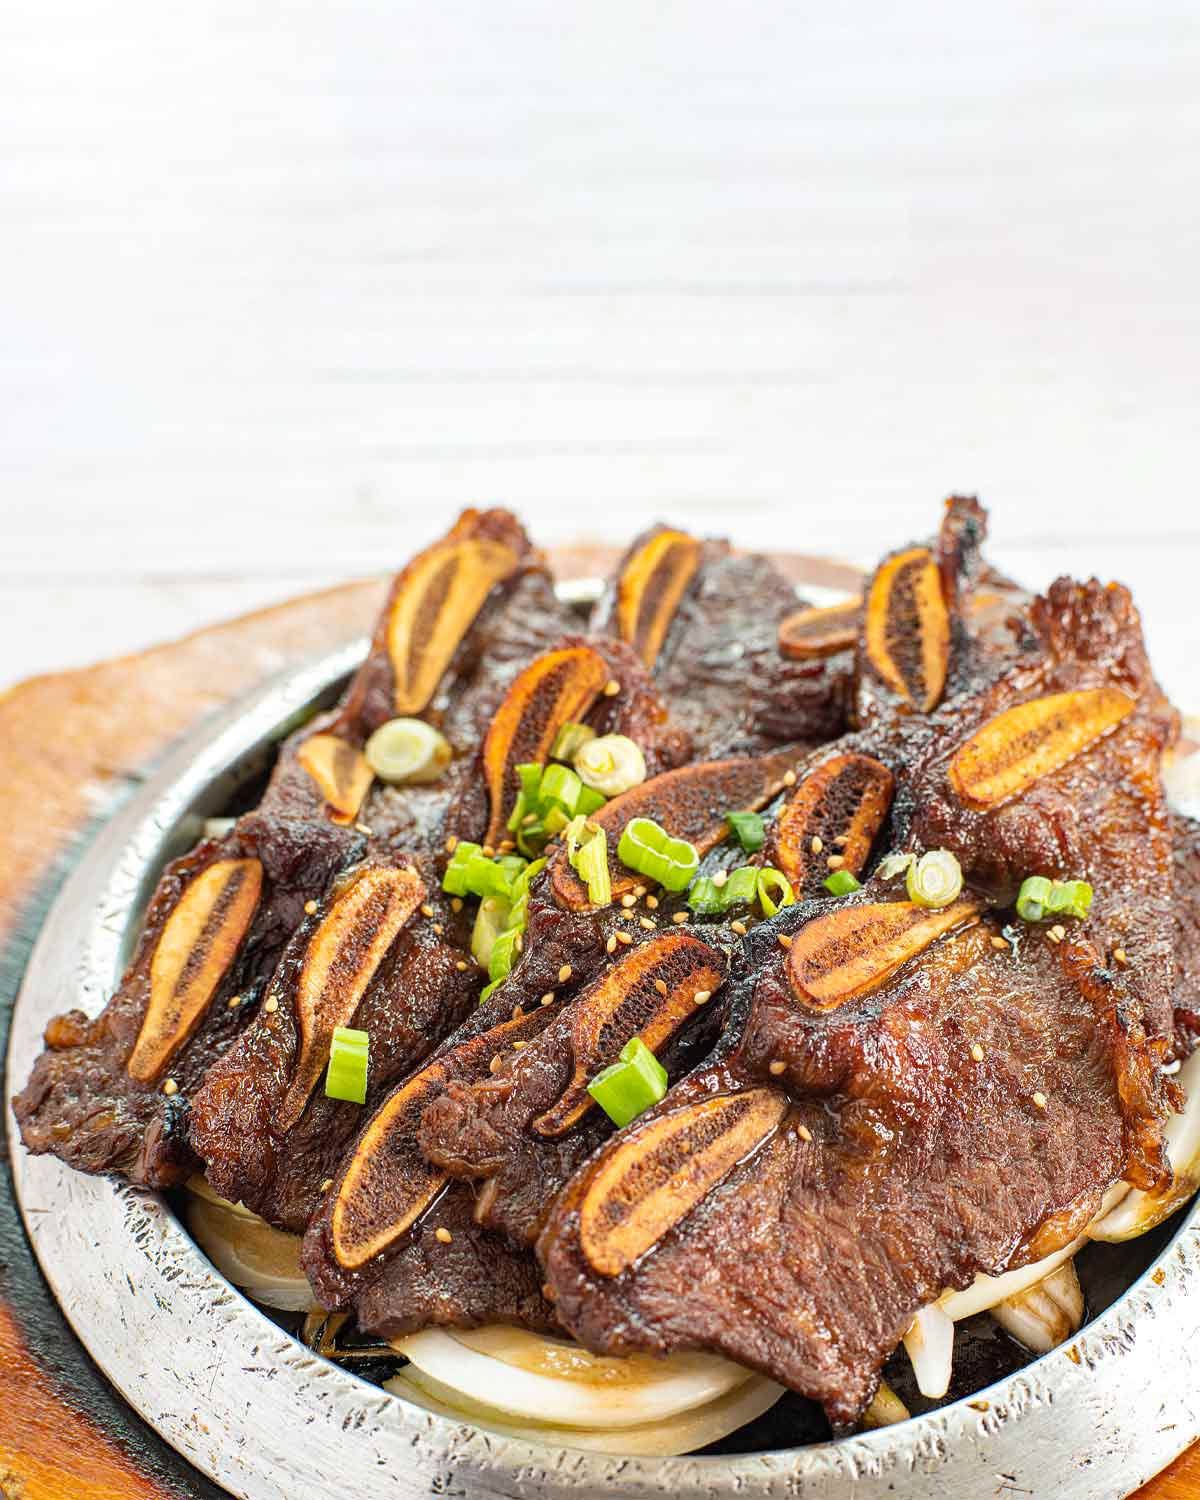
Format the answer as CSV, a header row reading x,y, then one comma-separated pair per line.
x,y
287,282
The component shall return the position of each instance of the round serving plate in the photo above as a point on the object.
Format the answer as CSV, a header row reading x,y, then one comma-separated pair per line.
x,y
264,1416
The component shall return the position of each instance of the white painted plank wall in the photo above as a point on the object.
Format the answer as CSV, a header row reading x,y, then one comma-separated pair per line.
x,y
285,284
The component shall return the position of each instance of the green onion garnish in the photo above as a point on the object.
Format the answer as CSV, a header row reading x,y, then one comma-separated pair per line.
x,y
471,873
590,801
587,851
560,788
490,921
774,890
625,1089
346,1076
404,751
740,887
1040,898
1071,898
570,740
454,881
504,954
649,849
611,764
747,828
935,880
841,883
1033,898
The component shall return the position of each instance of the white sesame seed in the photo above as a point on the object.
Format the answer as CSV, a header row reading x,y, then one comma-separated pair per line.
x,y
639,890
1119,956
628,901
836,861
327,1184
564,973
647,923
720,878
739,928
611,688
789,778
444,1235
234,1001
270,1005
1059,932
456,903
426,909
977,1052
494,1065
776,1067
548,998
701,997
364,830
783,940
1039,1099
624,937
438,928
817,844
679,918
661,986
1000,944
611,945
804,1132
652,902
451,844
170,1086
310,907
460,965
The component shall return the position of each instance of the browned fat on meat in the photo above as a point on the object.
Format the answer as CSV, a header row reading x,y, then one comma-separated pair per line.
x,y
110,1094
527,1127
382,953
779,1207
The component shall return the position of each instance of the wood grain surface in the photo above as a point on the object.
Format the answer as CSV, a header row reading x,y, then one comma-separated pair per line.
x,y
70,746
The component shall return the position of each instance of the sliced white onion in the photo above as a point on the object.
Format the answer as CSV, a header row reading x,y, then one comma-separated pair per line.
x,y
1046,1314
264,1262
987,1291
930,1346
1139,1211
682,1433
886,1409
547,1380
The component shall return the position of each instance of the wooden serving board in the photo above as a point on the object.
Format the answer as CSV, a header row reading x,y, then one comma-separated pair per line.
x,y
71,746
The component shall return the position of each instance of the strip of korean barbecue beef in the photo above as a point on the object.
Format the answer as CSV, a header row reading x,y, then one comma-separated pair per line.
x,y
111,1094
390,954
906,1097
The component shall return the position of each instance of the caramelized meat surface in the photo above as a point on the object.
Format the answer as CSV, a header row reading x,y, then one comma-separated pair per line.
x,y
110,1094
796,1200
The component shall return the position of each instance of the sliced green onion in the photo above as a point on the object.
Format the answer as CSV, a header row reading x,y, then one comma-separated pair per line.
x,y
895,864
454,881
747,828
590,801
611,764
1071,898
526,878
346,1076
1033,899
486,877
504,954
739,888
935,880
774,890
490,921
570,740
649,849
531,838
404,751
627,1088
705,897
528,796
841,883
1040,898
587,852
560,788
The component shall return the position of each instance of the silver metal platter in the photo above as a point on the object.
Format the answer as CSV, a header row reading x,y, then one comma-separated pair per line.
x,y
263,1416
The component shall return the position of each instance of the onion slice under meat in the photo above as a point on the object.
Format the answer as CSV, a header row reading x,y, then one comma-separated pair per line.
x,y
930,1345
682,1433
262,1261
544,1380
